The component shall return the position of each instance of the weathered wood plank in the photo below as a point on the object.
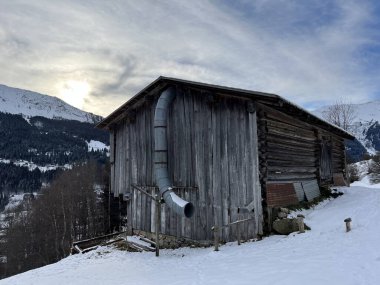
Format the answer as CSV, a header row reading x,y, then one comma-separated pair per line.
x,y
291,169
288,134
287,128
224,187
289,176
258,212
216,159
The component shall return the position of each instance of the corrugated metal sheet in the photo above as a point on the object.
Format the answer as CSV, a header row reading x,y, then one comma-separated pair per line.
x,y
299,191
311,189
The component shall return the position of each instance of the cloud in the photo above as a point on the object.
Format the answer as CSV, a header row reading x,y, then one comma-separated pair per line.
x,y
311,53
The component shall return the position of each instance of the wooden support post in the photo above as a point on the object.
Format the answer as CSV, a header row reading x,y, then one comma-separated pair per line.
x,y
301,225
269,211
238,233
158,221
215,229
348,224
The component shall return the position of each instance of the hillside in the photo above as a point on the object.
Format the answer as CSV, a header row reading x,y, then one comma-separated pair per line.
x,y
31,104
324,255
40,134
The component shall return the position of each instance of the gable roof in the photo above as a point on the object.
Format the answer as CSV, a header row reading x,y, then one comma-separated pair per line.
x,y
269,99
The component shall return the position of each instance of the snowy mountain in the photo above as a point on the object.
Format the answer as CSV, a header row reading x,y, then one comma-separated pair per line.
x,y
324,255
366,126
40,134
30,104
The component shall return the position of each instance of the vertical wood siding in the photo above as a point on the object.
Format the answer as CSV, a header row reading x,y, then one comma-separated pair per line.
x,y
213,156
112,162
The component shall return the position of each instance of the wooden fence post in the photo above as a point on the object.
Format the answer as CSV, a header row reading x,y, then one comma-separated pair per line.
x,y
215,229
348,224
238,233
301,224
158,220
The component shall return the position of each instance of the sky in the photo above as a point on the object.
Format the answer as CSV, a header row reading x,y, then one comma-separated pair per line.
x,y
96,54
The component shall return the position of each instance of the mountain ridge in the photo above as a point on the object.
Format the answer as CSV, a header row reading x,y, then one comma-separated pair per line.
x,y
40,135
30,104
365,126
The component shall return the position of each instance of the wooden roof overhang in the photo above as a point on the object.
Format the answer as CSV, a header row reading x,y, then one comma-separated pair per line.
x,y
272,100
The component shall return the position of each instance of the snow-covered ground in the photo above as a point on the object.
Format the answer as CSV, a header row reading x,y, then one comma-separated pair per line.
x,y
32,166
96,146
363,167
324,255
14,201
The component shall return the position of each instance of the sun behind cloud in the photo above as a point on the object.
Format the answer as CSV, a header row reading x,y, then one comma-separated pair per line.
x,y
74,92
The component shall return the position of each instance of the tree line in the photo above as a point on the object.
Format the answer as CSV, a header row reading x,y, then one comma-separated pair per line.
x,y
41,231
48,141
16,179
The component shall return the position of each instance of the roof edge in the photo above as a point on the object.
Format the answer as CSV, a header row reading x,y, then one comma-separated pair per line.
x,y
110,119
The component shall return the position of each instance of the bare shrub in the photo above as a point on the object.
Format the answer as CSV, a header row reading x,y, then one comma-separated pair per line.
x,y
353,172
374,169
68,210
341,114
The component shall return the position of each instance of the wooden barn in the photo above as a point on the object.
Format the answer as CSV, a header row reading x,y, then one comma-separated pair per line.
x,y
217,155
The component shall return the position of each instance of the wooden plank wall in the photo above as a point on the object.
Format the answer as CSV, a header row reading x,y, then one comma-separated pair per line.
x,y
338,155
290,150
212,146
112,162
288,147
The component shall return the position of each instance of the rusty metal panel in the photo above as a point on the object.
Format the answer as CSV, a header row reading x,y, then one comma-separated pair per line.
x,y
311,189
299,191
281,194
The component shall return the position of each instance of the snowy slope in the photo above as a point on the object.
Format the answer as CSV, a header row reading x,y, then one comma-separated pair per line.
x,y
324,255
97,146
365,112
28,103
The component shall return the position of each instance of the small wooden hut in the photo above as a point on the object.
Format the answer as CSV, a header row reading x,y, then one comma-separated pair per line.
x,y
232,153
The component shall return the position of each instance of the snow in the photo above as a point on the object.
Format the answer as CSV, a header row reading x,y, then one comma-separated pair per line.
x,y
324,255
364,112
96,146
136,239
363,167
32,166
14,201
30,104
366,115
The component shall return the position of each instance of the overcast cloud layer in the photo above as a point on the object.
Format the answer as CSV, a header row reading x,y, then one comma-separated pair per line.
x,y
311,52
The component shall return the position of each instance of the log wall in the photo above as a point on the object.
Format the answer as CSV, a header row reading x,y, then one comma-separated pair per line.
x,y
213,159
290,149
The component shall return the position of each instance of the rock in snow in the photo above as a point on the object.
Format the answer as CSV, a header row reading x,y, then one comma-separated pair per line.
x,y
324,255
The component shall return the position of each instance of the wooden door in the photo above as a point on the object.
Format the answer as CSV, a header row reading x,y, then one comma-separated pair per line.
x,y
326,160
